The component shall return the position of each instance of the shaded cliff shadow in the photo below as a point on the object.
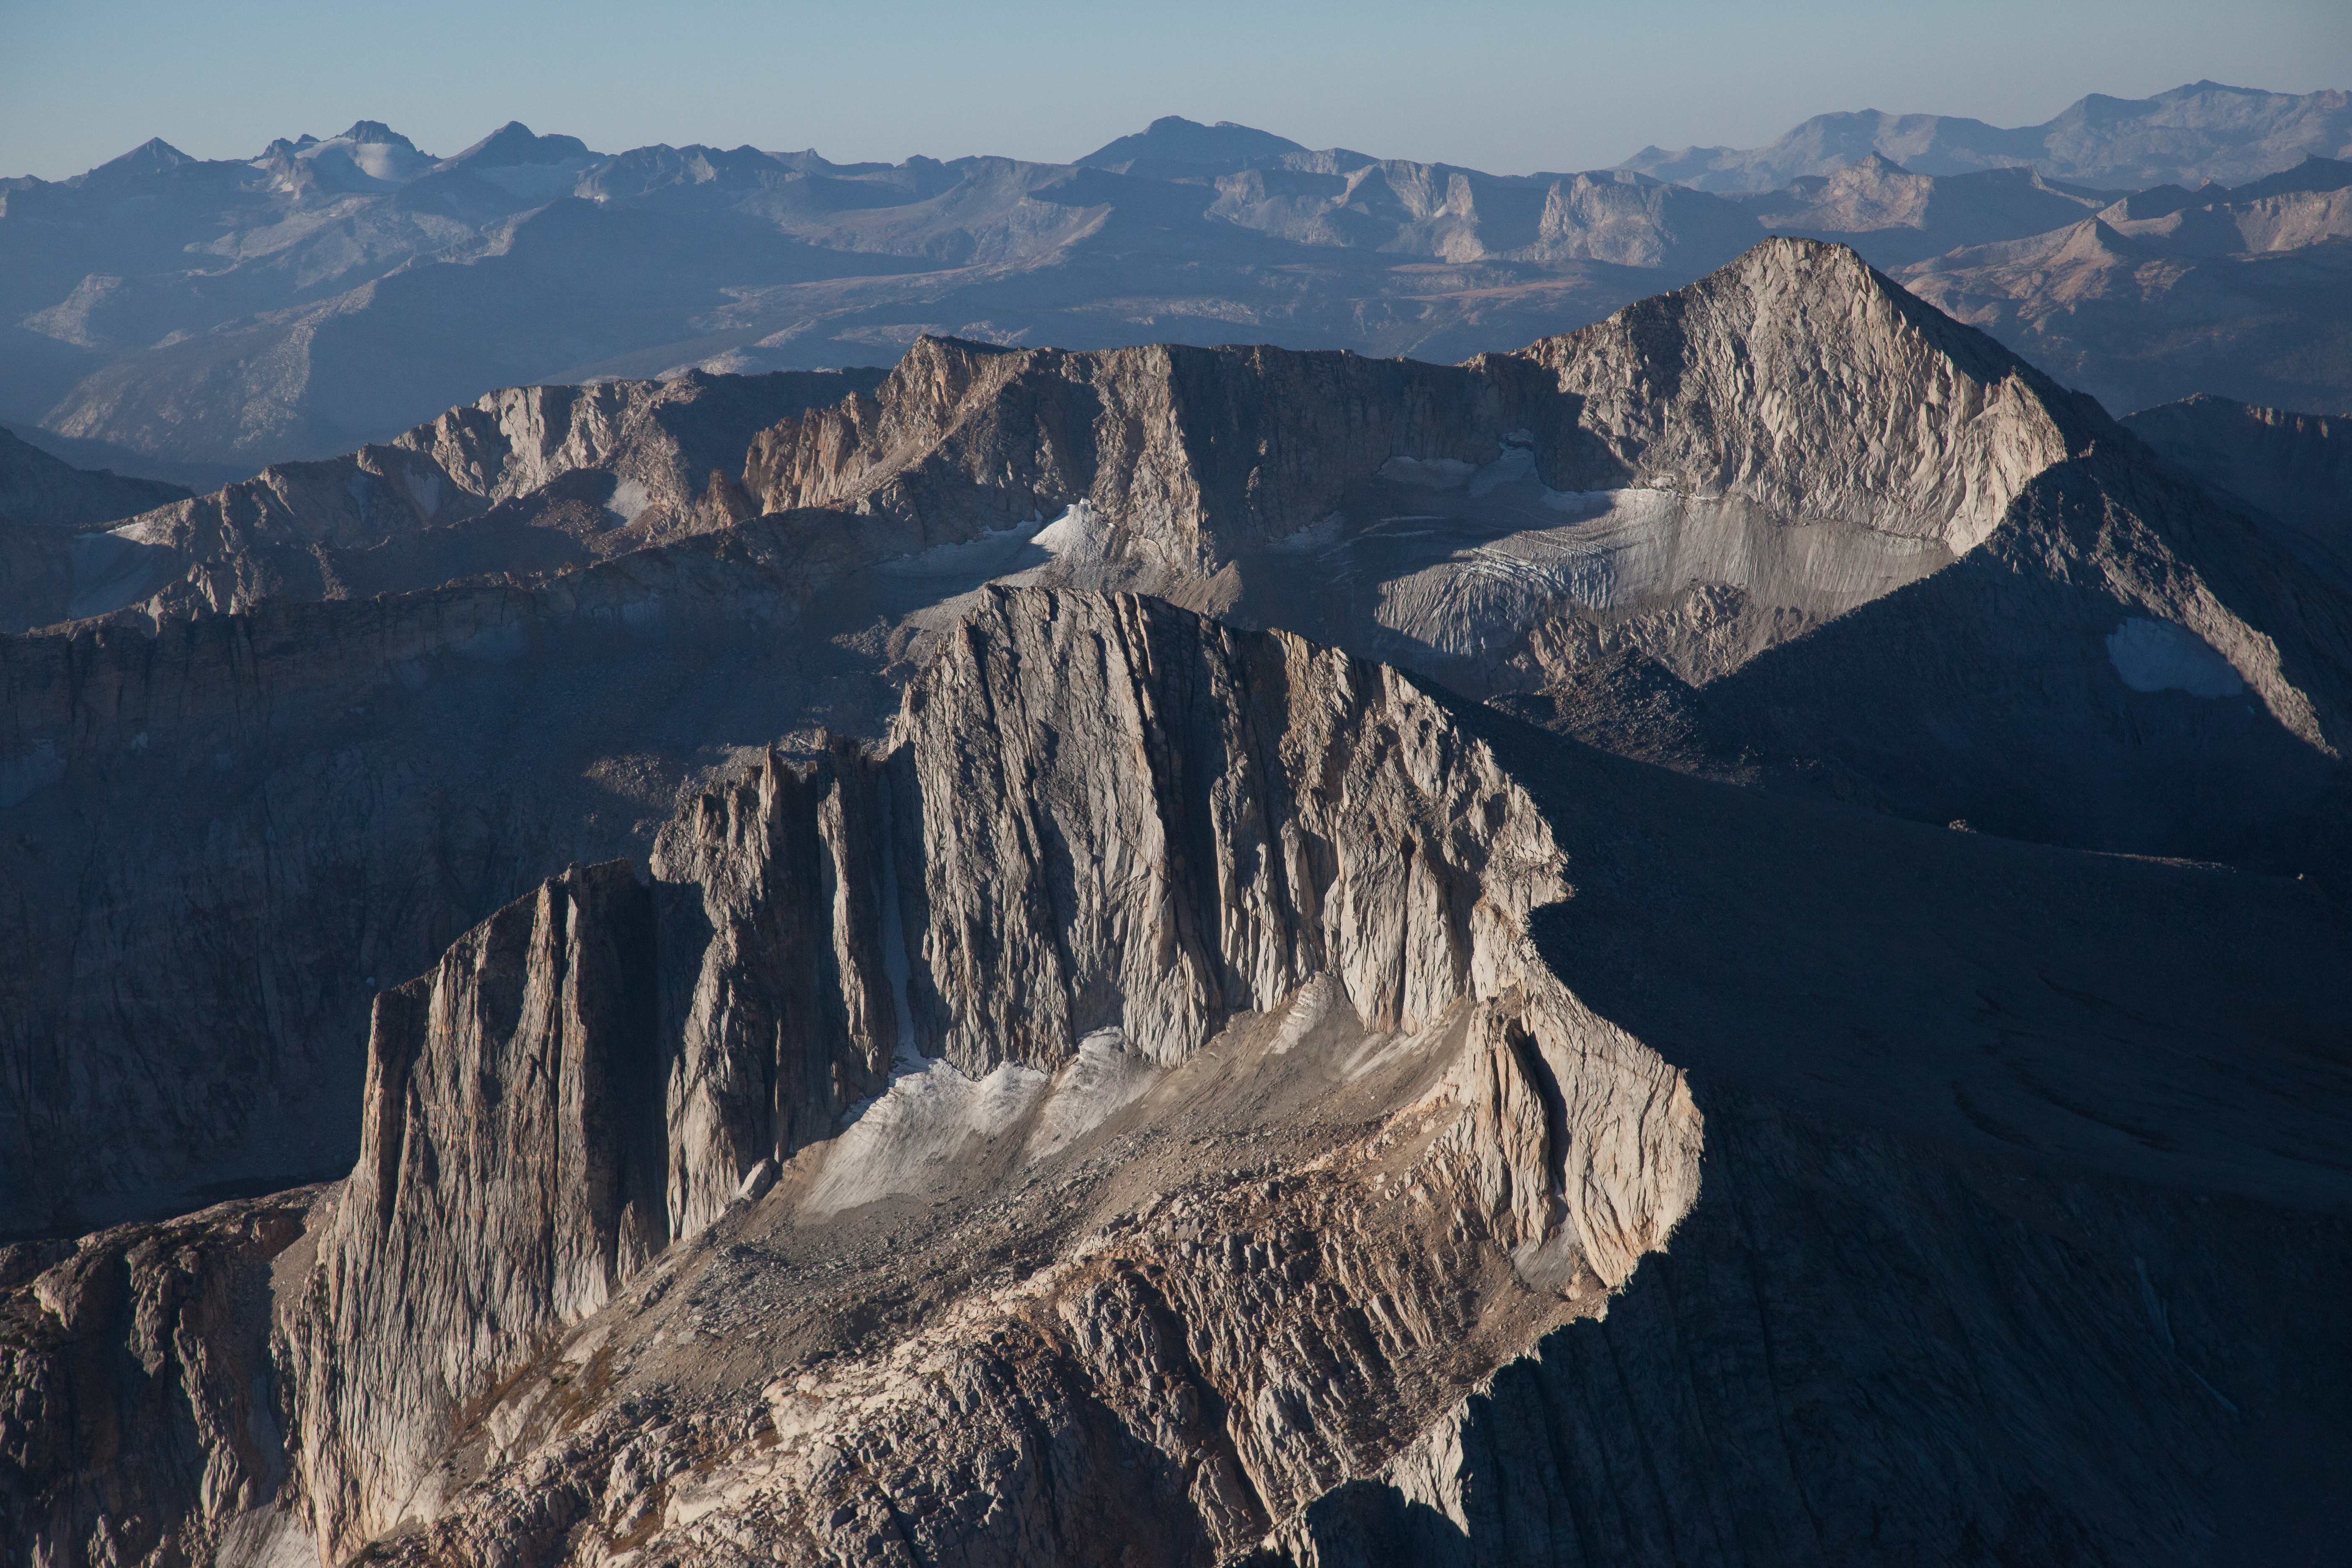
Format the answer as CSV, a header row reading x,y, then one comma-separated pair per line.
x,y
1851,1352
1986,693
1371,1524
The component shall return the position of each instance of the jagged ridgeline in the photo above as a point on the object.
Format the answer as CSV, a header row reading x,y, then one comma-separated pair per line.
x,y
1323,1062
198,318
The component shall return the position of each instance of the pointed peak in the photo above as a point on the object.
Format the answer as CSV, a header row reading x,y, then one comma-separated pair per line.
x,y
515,142
375,134
1172,138
1870,168
152,154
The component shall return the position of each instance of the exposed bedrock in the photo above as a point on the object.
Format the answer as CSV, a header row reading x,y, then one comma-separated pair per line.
x,y
1796,377
229,834
525,481
1195,1094
508,1184
1709,529
1019,887
142,1414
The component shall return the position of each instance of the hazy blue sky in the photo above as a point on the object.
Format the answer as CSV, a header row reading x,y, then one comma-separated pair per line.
x,y
1503,86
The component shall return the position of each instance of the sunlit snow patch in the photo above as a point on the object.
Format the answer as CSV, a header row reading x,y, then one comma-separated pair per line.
x,y
629,498
2158,656
1080,533
1104,1075
912,1133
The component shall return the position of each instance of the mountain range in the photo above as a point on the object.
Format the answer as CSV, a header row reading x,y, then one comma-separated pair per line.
x,y
760,861
1719,936
2201,133
199,319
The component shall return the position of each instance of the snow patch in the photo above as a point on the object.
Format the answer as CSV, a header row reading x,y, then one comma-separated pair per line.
x,y
629,498
364,166
1433,473
425,490
1513,466
1579,501
988,555
915,1132
1081,533
2158,656
1312,537
1104,1075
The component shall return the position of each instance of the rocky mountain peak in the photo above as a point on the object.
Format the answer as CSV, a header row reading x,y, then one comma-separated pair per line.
x,y
515,143
375,134
1779,378
1172,139
152,156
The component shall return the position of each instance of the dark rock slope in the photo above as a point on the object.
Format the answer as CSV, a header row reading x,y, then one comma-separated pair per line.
x,y
2296,469
46,504
42,491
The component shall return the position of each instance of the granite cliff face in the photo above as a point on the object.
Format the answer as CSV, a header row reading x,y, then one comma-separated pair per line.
x,y
1190,826
1197,1095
